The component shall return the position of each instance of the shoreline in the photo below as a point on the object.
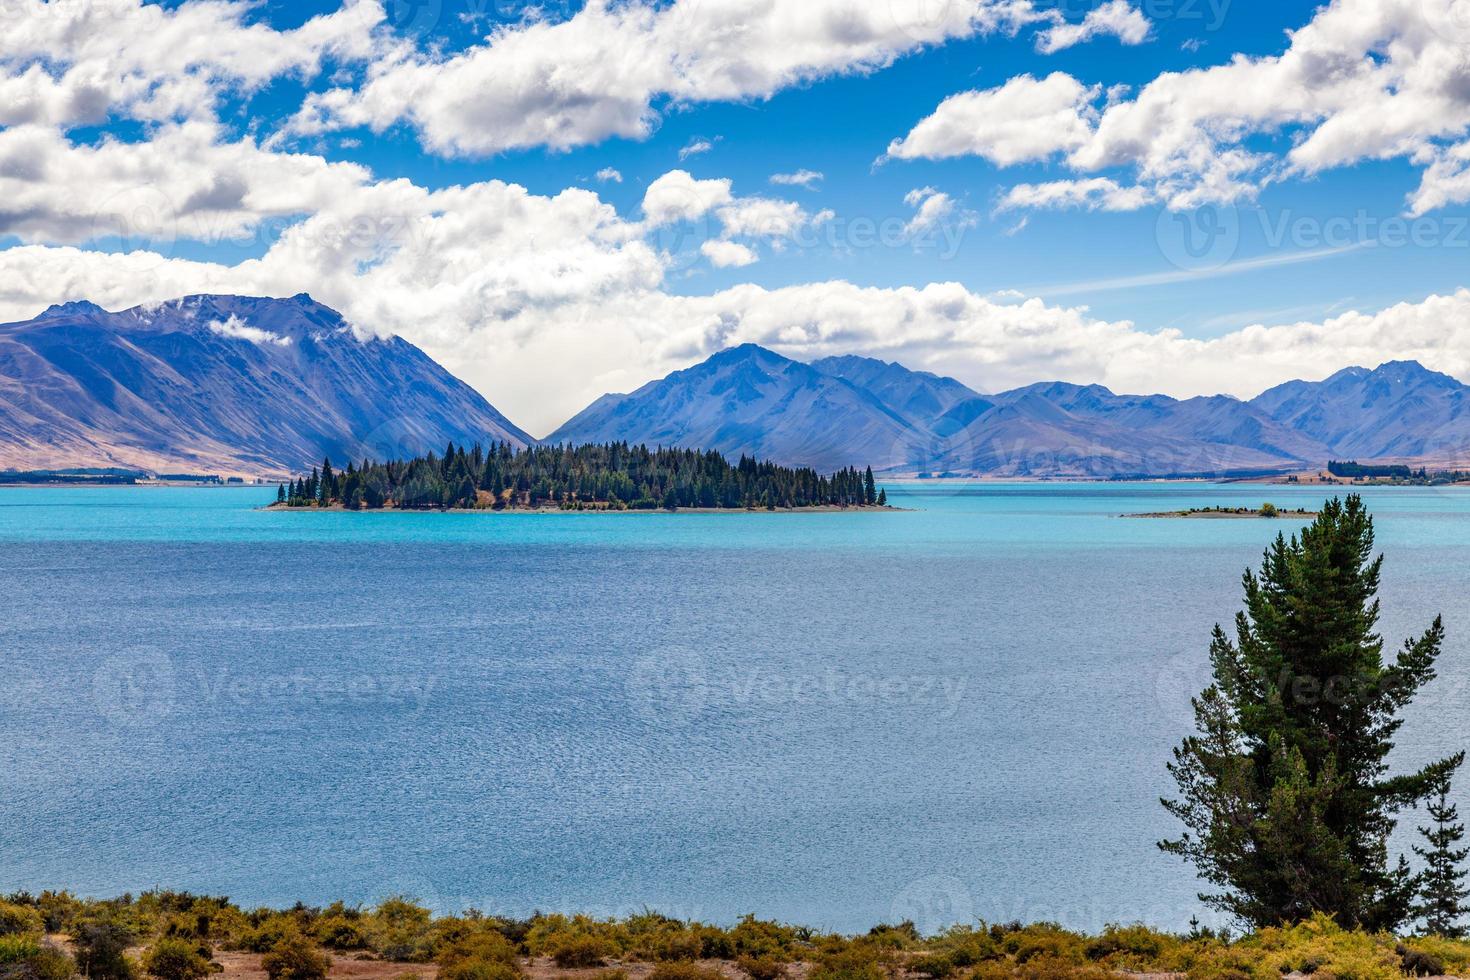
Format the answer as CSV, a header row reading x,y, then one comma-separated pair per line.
x,y
544,511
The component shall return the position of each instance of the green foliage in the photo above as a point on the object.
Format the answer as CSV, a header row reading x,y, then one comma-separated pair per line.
x,y
581,952
1284,791
19,919
172,958
101,949
295,958
684,970
341,932
762,967
15,947
615,476
27,958
1442,882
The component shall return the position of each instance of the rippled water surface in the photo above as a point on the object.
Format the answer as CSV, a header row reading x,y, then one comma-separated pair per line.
x,y
960,710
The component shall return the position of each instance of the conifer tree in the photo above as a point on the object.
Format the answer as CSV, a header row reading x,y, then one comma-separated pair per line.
x,y
280,493
1284,789
1442,890
870,489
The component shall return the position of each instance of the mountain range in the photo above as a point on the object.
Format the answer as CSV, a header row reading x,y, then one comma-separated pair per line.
x,y
257,386
849,410
229,384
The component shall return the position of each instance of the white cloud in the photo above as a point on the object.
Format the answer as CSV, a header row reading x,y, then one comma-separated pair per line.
x,y
182,183
611,68
801,178
68,64
1362,80
679,196
1117,18
727,255
695,147
1024,119
1091,194
934,211
238,329
612,174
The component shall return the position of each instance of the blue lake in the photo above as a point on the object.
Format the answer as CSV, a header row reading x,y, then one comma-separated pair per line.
x,y
959,711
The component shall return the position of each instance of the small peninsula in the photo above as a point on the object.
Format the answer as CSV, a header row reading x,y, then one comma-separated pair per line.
x,y
609,477
1267,511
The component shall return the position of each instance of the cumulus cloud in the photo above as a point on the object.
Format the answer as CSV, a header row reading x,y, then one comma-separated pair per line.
x,y
610,174
69,64
182,183
1091,194
679,196
726,254
1362,80
1117,18
237,329
1024,119
801,178
611,68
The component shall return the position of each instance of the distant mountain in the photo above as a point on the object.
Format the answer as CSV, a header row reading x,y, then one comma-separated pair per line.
x,y
855,410
244,385
232,384
750,400
1401,410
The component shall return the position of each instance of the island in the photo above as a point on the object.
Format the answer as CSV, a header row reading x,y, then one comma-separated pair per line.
x,y
608,477
1266,510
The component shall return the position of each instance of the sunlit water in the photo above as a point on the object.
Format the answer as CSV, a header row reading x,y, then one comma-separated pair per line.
x,y
959,711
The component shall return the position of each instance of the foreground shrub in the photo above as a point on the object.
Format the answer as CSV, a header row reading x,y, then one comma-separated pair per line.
x,y
762,967
14,948
177,959
101,950
933,965
684,970
856,962
19,919
22,958
295,958
580,952
340,932
1130,947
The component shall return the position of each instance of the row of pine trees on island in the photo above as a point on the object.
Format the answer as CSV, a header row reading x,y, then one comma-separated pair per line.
x,y
615,476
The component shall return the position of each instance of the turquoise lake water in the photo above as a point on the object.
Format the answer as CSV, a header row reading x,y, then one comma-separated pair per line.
x,y
958,711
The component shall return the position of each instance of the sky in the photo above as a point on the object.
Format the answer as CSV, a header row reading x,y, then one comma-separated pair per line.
x,y
564,199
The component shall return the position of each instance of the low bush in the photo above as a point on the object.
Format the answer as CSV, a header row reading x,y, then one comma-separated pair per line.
x,y
14,948
174,958
937,966
20,919
296,958
762,967
581,952
684,970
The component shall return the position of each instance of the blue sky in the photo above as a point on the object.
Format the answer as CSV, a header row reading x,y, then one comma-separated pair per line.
x,y
1145,191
